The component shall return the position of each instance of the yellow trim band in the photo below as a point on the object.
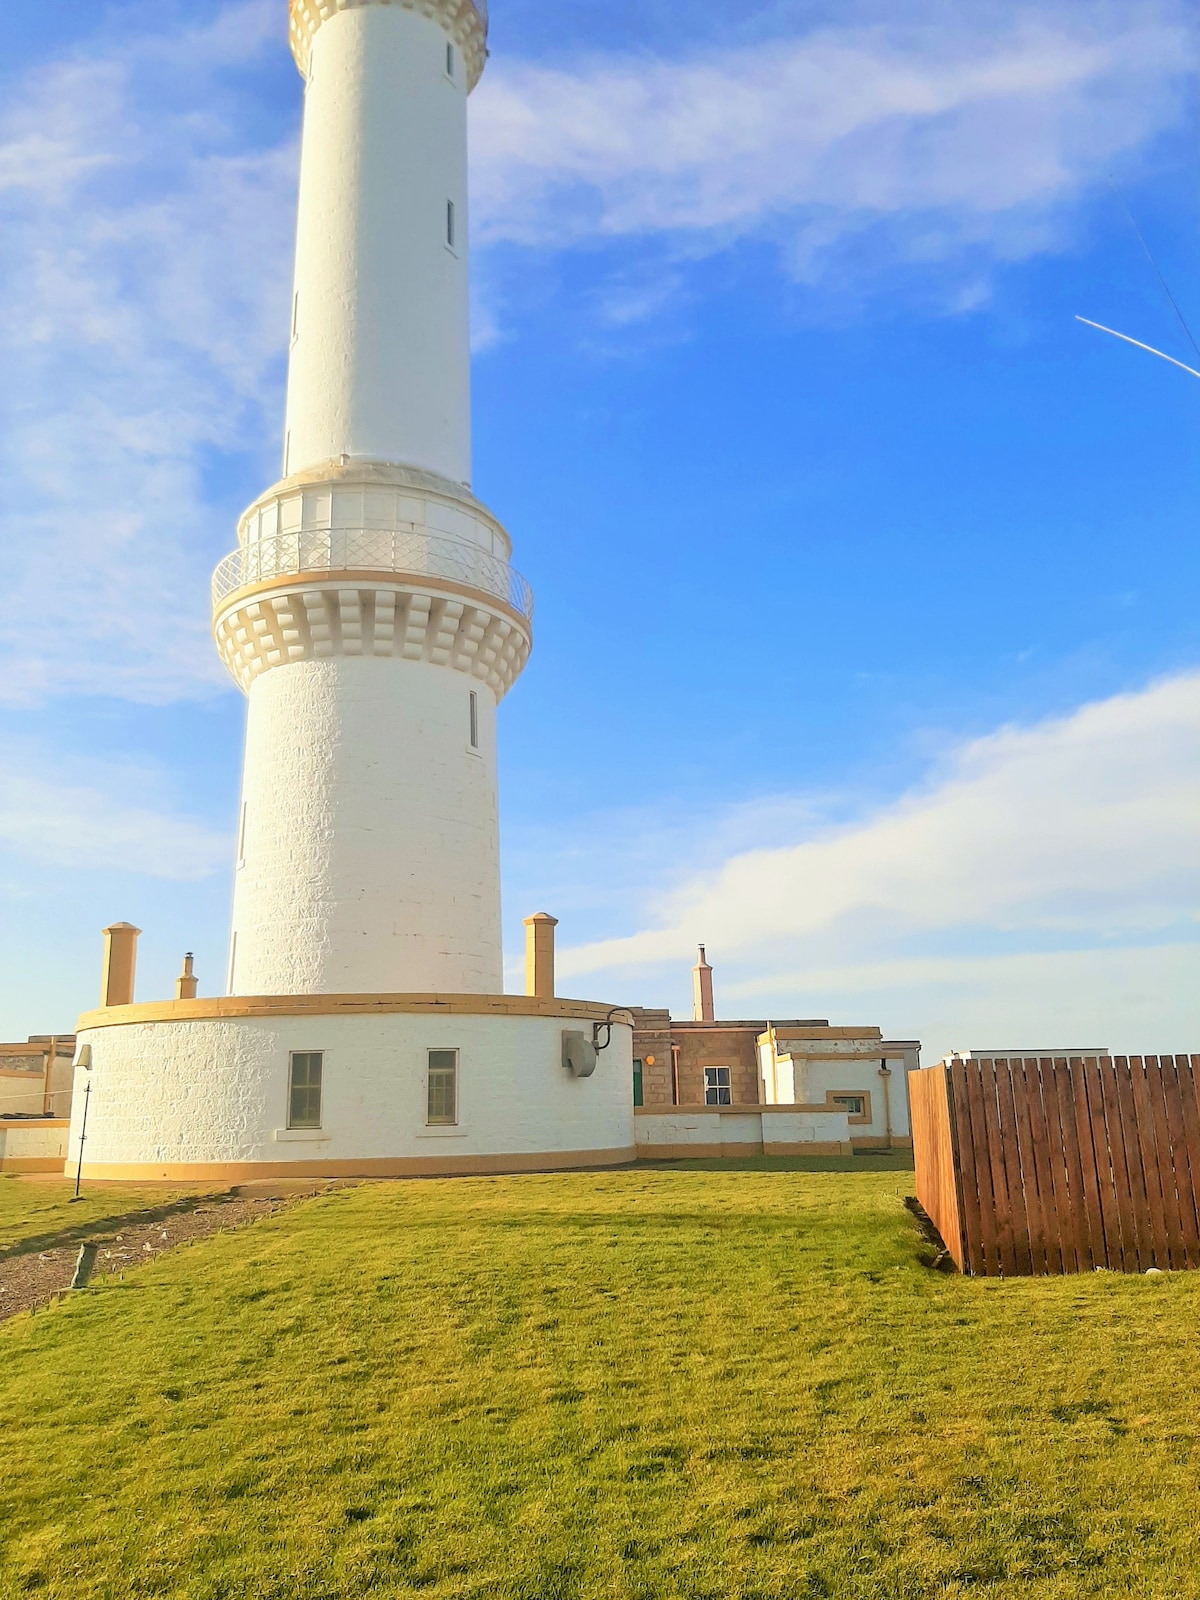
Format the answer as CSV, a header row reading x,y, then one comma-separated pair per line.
x,y
384,1167
233,1007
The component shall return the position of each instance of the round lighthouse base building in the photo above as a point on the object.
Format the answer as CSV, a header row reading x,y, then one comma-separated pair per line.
x,y
241,1088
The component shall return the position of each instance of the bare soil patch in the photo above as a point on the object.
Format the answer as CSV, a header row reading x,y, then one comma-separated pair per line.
x,y
36,1275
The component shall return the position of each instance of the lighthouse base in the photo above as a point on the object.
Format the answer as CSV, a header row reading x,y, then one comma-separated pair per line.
x,y
348,1085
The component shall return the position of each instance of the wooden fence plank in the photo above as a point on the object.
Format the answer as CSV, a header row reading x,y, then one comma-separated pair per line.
x,y
934,1156
1139,1193
1156,1093
1023,1093
956,1191
975,1170
1181,1210
1144,1127
1075,1243
1015,1160
1102,1157
989,1260
1048,1161
1006,1253
1089,1161
1185,1078
1115,1139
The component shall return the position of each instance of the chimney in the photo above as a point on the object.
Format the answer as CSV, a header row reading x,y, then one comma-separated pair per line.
x,y
702,1007
539,955
186,983
120,959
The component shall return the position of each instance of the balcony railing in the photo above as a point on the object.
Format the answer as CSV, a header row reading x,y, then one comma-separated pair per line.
x,y
413,554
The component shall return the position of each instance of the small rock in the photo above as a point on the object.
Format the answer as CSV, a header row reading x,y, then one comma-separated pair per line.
x,y
1154,1272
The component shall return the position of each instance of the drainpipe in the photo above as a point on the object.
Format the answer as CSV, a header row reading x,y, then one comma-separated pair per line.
x,y
885,1073
48,1078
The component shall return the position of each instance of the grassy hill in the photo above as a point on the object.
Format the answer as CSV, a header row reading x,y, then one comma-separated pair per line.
x,y
663,1382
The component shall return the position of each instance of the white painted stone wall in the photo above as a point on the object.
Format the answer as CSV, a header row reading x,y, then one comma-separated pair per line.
x,y
681,1129
806,1079
380,356
24,1143
370,846
217,1091
851,1077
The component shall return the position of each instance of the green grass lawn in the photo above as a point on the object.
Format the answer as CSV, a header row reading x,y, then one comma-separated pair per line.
x,y
665,1382
33,1211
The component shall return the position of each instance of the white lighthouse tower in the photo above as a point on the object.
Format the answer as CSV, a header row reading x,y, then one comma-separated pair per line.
x,y
369,611
372,617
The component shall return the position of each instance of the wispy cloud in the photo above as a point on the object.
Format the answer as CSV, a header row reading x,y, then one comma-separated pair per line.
x,y
143,286
94,827
951,132
1073,835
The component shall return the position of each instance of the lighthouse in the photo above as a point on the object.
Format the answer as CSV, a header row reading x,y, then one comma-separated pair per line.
x,y
370,611
373,618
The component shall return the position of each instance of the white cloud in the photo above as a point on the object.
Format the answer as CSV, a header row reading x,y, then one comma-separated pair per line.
x,y
94,825
955,130
1068,841
1132,999
144,257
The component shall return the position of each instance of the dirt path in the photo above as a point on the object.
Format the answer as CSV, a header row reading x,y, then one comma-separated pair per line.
x,y
34,1277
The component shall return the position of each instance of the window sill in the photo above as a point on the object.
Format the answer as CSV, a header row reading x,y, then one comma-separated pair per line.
x,y
454,1132
290,1135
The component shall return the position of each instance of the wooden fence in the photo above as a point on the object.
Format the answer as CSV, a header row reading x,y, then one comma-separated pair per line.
x,y
1048,1165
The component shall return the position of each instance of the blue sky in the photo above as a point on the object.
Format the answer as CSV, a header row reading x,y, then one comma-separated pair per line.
x,y
866,576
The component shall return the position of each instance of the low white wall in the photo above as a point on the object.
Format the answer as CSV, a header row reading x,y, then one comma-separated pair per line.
x,y
213,1093
714,1130
33,1146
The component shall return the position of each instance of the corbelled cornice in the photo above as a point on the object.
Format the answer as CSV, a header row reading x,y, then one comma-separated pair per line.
x,y
465,21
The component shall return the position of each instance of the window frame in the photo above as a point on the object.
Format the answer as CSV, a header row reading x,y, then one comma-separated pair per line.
x,y
306,1088
441,1119
854,1105
717,1088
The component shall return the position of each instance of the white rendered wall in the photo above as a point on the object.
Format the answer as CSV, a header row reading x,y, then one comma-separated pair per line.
x,y
216,1091
33,1146
678,1131
807,1080
379,365
370,845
